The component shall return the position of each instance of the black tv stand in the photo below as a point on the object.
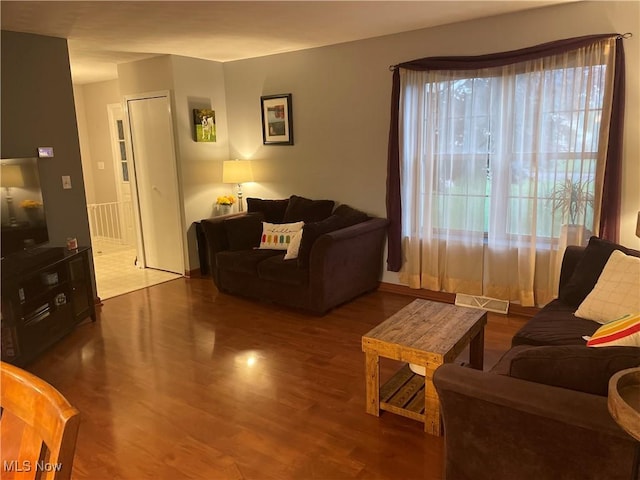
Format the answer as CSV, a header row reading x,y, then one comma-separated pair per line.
x,y
41,251
30,258
46,292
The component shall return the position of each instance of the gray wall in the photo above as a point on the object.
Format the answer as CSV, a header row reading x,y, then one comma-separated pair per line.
x,y
38,110
199,84
192,83
341,101
340,123
341,98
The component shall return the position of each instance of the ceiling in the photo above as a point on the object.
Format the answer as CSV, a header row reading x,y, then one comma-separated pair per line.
x,y
102,34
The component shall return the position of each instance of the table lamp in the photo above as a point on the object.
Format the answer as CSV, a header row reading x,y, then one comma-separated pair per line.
x,y
238,172
11,177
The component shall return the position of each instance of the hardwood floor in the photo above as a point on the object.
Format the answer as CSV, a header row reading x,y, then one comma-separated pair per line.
x,y
178,381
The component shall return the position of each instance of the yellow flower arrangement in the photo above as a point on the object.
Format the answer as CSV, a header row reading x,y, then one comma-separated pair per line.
x,y
226,200
30,204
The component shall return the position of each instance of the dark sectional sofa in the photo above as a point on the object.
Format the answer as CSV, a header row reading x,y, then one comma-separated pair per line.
x,y
340,255
541,412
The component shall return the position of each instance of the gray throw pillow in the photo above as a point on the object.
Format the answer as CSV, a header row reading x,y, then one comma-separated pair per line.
x,y
243,232
307,210
273,210
311,232
588,270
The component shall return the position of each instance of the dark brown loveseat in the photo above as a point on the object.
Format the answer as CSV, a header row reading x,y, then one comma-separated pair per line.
x,y
340,253
541,412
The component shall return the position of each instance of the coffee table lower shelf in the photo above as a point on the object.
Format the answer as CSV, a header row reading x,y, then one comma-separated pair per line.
x,y
403,394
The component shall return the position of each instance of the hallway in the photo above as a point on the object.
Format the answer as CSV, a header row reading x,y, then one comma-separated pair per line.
x,y
117,274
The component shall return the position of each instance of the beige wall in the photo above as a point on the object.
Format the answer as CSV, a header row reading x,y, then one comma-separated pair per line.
x,y
85,143
100,184
145,76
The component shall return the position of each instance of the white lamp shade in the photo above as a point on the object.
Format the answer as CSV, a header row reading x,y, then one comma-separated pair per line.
x,y
237,171
12,176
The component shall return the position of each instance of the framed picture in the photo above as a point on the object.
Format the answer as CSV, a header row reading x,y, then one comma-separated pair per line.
x,y
277,122
204,121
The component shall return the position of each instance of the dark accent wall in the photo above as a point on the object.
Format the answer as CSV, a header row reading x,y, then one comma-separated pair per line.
x,y
38,110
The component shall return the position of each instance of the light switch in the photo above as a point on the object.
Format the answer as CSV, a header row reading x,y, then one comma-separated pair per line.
x,y
100,165
66,182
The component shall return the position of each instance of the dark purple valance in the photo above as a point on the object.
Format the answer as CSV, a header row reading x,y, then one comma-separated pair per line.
x,y
611,199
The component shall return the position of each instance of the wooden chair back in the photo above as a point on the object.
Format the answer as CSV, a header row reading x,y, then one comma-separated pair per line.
x,y
38,428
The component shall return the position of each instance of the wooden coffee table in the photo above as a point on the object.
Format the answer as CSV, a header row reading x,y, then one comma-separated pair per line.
x,y
427,334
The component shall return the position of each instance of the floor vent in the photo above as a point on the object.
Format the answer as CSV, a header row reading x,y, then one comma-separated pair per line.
x,y
484,303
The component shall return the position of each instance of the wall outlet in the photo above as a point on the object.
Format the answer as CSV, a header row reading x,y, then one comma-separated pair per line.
x,y
100,165
66,182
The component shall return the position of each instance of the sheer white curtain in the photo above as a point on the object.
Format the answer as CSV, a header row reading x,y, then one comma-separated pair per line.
x,y
501,168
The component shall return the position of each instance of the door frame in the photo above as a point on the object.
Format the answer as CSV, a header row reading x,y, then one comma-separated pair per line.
x,y
115,112
133,178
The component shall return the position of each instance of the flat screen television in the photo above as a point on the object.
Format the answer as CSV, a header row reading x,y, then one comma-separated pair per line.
x,y
22,214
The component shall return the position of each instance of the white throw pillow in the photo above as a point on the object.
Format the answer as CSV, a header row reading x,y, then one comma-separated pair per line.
x,y
278,236
617,291
294,246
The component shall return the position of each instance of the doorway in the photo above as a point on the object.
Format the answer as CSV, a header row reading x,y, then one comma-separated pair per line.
x,y
155,175
126,221
119,264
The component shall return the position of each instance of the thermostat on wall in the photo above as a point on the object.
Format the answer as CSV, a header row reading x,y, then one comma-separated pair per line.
x,y
45,152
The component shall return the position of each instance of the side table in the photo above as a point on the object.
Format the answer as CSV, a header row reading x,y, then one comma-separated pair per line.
x,y
624,406
203,253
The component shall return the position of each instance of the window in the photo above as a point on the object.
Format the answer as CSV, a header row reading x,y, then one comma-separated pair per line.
x,y
498,164
542,160
123,152
553,157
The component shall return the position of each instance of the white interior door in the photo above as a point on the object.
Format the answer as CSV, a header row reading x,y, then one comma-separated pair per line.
x,y
121,170
156,182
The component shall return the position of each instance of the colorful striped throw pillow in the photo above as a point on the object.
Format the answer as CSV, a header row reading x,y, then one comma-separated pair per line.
x,y
623,332
278,236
